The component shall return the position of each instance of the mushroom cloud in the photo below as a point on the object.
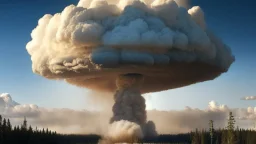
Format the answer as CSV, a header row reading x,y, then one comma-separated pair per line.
x,y
128,47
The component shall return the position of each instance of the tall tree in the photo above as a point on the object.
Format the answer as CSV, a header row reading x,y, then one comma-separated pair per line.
x,y
0,121
24,125
211,130
4,125
9,126
230,128
195,137
30,129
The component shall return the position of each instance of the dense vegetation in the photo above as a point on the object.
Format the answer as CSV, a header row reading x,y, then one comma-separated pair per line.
x,y
27,135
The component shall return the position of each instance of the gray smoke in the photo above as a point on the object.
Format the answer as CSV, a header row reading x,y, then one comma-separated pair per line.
x,y
129,110
129,105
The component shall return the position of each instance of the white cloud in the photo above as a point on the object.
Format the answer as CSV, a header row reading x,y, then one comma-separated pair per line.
x,y
249,98
84,121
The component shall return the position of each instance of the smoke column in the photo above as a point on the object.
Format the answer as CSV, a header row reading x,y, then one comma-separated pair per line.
x,y
129,121
129,104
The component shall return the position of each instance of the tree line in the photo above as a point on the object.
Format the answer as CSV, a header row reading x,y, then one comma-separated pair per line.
x,y
24,134
228,135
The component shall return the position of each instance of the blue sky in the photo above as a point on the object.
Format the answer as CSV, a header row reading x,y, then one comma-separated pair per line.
x,y
233,21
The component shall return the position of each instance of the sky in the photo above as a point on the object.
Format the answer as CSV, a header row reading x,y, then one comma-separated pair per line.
x,y
233,21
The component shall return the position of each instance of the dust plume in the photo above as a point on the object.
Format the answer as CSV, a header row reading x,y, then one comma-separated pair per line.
x,y
128,47
122,131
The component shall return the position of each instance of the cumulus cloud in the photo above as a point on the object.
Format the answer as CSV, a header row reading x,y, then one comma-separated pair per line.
x,y
84,121
7,99
91,43
249,98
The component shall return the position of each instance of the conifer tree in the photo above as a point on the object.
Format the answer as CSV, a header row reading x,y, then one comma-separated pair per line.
x,y
230,128
24,125
18,128
14,128
1,121
211,130
9,126
4,126
30,129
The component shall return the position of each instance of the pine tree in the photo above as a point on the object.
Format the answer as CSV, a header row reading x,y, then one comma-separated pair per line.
x,y
195,138
9,126
4,126
14,128
237,135
1,121
30,129
230,128
211,130
24,125
18,128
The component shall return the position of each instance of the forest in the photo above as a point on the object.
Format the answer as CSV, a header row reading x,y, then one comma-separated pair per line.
x,y
25,134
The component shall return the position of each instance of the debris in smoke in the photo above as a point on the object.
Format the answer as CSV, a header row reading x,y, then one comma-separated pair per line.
x,y
122,131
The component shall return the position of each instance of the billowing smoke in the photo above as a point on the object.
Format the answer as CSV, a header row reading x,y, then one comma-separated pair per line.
x,y
122,131
89,45
94,43
130,105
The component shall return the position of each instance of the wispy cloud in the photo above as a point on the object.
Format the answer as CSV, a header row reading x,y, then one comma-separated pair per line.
x,y
249,98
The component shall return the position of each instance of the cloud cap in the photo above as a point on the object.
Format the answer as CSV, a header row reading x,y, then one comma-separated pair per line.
x,y
89,45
